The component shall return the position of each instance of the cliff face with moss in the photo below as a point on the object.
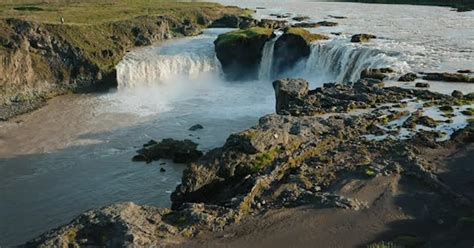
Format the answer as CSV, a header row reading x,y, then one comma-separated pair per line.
x,y
43,59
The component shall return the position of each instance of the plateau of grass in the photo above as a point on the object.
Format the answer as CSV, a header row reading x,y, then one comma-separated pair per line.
x,y
94,12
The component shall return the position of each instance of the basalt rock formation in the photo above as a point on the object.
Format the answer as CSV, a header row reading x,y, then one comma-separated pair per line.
x,y
293,46
240,52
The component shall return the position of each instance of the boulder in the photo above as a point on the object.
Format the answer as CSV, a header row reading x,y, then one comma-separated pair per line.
x,y
301,18
457,94
273,24
380,73
196,127
409,77
359,38
422,85
314,24
464,71
179,151
448,77
289,91
240,52
292,46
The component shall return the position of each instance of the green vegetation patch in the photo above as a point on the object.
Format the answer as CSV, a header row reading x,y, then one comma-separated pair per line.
x,y
308,36
88,12
265,159
244,34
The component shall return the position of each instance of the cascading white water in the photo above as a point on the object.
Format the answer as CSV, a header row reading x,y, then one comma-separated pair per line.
x,y
160,69
266,65
337,60
177,61
343,61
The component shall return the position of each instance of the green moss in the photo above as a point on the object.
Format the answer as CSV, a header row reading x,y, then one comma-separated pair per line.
x,y
384,245
370,173
308,36
409,241
471,120
244,34
265,159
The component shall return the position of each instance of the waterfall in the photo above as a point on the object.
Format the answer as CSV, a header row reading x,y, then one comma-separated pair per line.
x,y
266,65
343,61
151,70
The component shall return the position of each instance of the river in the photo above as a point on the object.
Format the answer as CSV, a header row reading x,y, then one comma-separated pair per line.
x,y
75,153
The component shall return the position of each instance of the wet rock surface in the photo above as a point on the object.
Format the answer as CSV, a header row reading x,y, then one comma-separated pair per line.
x,y
240,52
293,46
297,157
361,38
448,77
179,151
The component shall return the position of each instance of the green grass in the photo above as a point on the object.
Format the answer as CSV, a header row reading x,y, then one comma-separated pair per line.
x,y
244,34
308,36
94,12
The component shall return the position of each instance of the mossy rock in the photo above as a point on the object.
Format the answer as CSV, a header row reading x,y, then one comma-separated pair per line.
x,y
240,52
293,46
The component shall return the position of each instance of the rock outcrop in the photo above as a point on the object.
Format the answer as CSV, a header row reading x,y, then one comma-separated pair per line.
x,y
289,92
240,52
179,151
448,77
361,38
293,46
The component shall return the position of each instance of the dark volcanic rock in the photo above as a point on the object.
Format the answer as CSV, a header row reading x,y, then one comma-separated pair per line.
x,y
362,37
292,46
422,85
190,29
196,127
464,71
234,21
337,17
457,94
288,92
409,77
314,24
179,151
273,24
448,77
379,74
240,52
301,18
